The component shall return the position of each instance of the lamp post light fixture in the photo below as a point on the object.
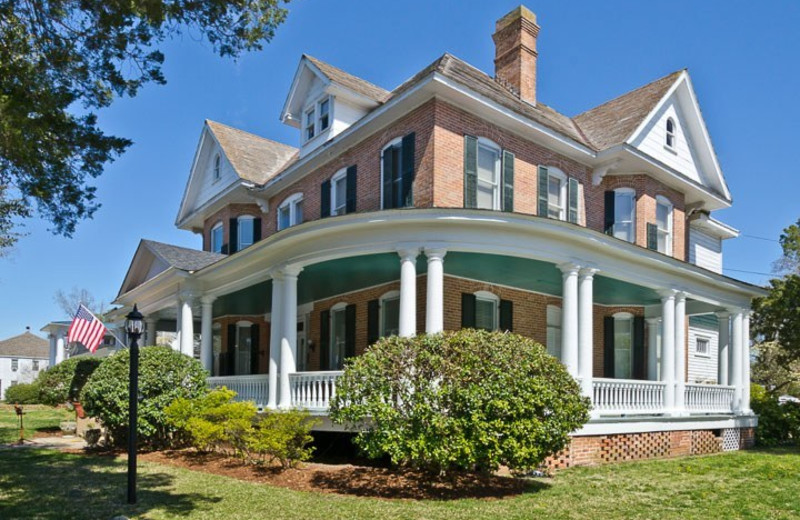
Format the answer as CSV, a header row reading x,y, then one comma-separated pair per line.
x,y
134,326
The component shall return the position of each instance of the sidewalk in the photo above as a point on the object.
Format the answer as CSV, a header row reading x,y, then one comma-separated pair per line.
x,y
67,442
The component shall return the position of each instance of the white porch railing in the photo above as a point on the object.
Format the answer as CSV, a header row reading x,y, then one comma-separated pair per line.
x,y
313,390
248,388
709,398
623,396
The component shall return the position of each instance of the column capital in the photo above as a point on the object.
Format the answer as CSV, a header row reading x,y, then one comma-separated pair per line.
x,y
680,296
435,253
667,294
588,272
207,299
285,271
735,310
653,321
187,295
408,251
569,268
723,314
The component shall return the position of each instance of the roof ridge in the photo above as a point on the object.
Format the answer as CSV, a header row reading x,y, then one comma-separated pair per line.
x,y
630,92
250,133
315,61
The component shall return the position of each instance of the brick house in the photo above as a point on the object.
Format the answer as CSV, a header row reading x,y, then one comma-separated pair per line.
x,y
458,199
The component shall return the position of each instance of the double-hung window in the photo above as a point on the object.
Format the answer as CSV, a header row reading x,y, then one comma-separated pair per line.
x,y
390,314
35,365
14,365
554,331
702,347
625,214
486,311
216,238
245,233
556,194
290,212
664,225
339,193
623,345
324,118
488,175
310,123
338,339
397,172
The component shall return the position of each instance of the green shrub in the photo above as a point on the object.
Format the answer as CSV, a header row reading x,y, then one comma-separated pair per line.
x,y
164,375
23,393
64,382
777,423
469,400
213,422
282,436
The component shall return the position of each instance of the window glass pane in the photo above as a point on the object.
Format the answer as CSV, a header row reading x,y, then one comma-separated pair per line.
x,y
216,239
662,216
283,217
702,346
487,164
485,312
340,196
485,196
554,197
323,114
554,331
243,355
624,208
337,339
245,233
298,213
390,308
623,343
310,124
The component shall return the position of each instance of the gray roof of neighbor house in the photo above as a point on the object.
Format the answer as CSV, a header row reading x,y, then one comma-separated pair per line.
x,y
613,122
182,258
26,345
356,84
254,158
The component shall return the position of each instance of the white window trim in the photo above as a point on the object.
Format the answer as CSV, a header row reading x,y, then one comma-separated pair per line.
x,y
216,168
632,193
624,316
391,295
290,201
562,191
319,103
341,174
239,245
496,194
310,122
673,134
490,296
393,142
216,226
660,199
14,361
314,107
699,354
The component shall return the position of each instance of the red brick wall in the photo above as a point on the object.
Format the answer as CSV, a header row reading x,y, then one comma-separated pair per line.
x,y
263,339
224,215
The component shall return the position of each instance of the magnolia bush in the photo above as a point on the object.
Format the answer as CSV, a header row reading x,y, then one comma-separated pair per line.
x,y
468,400
64,382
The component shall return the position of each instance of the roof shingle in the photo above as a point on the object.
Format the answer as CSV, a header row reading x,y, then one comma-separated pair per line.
x,y
356,84
183,258
26,345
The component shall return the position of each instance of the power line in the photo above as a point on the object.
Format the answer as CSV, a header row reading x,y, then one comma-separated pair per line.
x,y
748,272
759,238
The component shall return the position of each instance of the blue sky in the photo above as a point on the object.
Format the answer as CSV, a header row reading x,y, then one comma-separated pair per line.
x,y
742,57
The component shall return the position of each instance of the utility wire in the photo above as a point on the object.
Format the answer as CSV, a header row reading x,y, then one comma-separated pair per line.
x,y
749,272
759,238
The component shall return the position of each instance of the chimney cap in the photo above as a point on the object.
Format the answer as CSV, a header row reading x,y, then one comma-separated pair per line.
x,y
518,12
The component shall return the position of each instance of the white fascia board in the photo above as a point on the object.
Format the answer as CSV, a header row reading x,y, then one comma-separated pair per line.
x,y
151,294
713,226
340,91
181,209
623,425
186,223
286,116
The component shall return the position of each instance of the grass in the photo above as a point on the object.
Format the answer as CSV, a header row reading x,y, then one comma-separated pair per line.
x,y
36,418
45,484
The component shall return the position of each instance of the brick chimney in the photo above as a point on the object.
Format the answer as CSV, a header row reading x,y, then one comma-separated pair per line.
x,y
515,52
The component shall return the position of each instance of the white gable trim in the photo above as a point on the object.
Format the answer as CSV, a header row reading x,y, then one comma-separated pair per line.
x,y
286,116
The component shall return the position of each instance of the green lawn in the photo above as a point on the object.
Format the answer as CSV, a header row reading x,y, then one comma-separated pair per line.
x,y
37,417
756,484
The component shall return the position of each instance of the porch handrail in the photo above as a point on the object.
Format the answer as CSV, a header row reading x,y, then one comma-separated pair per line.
x,y
247,387
626,396
702,398
313,390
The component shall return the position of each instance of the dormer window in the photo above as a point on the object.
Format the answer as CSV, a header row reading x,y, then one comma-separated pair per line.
x,y
246,232
290,212
216,238
217,172
310,122
324,114
670,141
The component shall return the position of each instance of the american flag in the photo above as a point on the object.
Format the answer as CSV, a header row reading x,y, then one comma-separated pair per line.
x,y
86,329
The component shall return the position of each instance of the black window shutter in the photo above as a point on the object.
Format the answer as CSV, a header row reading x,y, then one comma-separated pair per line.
x,y
255,332
652,236
572,196
407,169
543,207
230,355
373,321
608,228
233,235
325,199
608,347
468,302
256,229
324,340
508,181
388,176
639,358
470,171
351,190
506,316
349,331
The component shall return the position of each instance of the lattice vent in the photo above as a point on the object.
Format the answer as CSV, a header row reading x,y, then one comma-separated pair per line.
x,y
730,439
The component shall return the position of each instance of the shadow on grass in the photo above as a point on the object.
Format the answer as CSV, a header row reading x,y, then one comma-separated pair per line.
x,y
776,450
387,483
52,485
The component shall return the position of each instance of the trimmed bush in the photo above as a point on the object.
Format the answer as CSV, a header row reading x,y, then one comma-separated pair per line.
x,y
469,400
164,375
64,382
778,424
283,436
23,393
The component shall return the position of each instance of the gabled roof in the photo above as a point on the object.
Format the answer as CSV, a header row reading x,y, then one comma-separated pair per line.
x,y
254,158
356,84
615,121
26,345
182,258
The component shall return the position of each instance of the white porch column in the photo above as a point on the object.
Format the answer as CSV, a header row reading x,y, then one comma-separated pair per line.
x,y
177,344
206,332
735,377
668,348
434,306
275,335
408,292
586,330
187,325
61,344
51,359
723,352
288,333
746,362
680,351
653,325
569,318
150,331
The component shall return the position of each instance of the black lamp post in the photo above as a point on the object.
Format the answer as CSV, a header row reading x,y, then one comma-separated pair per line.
x,y
134,326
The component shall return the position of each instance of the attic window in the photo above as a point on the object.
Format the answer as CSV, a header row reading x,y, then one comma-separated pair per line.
x,y
216,168
324,114
670,133
310,124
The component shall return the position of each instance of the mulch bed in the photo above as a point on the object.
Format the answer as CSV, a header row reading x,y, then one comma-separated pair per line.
x,y
348,479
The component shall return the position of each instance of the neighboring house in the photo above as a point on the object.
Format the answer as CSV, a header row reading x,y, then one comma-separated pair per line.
x,y
59,349
458,199
21,359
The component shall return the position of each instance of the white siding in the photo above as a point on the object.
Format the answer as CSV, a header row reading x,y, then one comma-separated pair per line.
x,y
204,186
703,369
23,374
652,141
705,250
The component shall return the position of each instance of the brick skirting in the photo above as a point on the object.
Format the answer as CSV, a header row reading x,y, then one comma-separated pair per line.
x,y
606,449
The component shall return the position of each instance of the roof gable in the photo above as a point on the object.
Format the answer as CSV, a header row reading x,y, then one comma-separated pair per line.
x,y
26,345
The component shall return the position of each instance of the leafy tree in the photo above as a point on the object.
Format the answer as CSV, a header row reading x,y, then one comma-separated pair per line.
x,y
60,61
470,400
790,244
776,318
773,373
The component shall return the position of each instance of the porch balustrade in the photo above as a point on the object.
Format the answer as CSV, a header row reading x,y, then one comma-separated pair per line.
x,y
248,388
621,396
313,390
709,398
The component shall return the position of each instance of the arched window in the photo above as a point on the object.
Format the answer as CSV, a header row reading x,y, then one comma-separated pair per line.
x,y
664,225
216,238
217,172
290,212
390,313
487,311
554,331
623,345
625,214
670,133
246,232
